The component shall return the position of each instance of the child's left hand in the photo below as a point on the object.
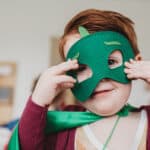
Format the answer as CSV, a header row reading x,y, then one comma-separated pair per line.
x,y
138,70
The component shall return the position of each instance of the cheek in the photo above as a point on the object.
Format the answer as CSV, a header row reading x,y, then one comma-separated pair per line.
x,y
109,105
125,90
102,108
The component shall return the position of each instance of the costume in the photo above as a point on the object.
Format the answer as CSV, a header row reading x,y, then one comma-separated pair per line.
x,y
94,50
51,130
32,125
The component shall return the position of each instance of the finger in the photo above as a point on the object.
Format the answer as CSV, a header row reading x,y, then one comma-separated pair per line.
x,y
128,65
132,61
148,80
127,70
134,75
65,66
64,78
130,76
67,85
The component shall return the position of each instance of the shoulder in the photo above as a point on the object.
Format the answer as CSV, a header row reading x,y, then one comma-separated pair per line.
x,y
145,107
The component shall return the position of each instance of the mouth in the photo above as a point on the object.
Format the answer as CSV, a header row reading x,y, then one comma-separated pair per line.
x,y
102,92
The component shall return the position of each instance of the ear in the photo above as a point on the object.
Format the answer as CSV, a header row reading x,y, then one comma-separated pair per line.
x,y
138,57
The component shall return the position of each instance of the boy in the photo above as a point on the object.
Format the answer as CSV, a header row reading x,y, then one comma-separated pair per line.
x,y
96,44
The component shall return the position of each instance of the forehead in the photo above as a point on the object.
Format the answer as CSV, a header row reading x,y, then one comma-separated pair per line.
x,y
69,41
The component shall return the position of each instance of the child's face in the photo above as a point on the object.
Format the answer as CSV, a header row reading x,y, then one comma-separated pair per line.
x,y
109,96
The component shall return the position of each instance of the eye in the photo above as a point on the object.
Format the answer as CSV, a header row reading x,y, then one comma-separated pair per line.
x,y
115,59
81,68
113,63
83,72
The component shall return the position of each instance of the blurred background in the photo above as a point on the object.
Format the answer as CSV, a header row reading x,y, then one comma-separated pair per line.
x,y
29,34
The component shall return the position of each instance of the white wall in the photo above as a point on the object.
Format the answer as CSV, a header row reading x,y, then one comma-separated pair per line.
x,y
26,27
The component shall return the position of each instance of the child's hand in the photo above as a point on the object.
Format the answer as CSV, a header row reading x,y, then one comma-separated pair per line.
x,y
138,70
53,81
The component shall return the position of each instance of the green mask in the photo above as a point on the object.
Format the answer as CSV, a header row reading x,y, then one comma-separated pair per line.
x,y
94,50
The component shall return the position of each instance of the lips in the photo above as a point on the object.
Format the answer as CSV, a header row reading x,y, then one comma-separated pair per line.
x,y
101,92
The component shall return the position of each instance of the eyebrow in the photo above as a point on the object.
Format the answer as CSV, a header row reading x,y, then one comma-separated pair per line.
x,y
112,43
114,57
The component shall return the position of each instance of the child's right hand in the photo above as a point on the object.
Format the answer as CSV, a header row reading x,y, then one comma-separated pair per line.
x,y
53,81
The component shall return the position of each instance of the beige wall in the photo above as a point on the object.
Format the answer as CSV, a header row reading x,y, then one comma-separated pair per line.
x,y
27,26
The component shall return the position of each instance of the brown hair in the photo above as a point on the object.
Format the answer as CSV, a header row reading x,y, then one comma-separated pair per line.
x,y
100,20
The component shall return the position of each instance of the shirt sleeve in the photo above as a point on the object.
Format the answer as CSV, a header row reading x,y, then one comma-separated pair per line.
x,y
31,127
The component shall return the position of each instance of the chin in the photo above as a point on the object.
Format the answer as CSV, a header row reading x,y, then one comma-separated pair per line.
x,y
105,112
108,110
104,107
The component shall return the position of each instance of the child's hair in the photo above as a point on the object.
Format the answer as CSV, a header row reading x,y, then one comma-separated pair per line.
x,y
100,20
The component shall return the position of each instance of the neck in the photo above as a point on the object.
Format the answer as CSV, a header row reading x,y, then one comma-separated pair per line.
x,y
107,121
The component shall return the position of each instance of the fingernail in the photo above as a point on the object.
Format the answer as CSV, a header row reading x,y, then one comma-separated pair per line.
x,y
131,59
75,60
75,80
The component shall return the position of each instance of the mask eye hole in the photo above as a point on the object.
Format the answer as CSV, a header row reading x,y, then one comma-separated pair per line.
x,y
83,72
115,59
